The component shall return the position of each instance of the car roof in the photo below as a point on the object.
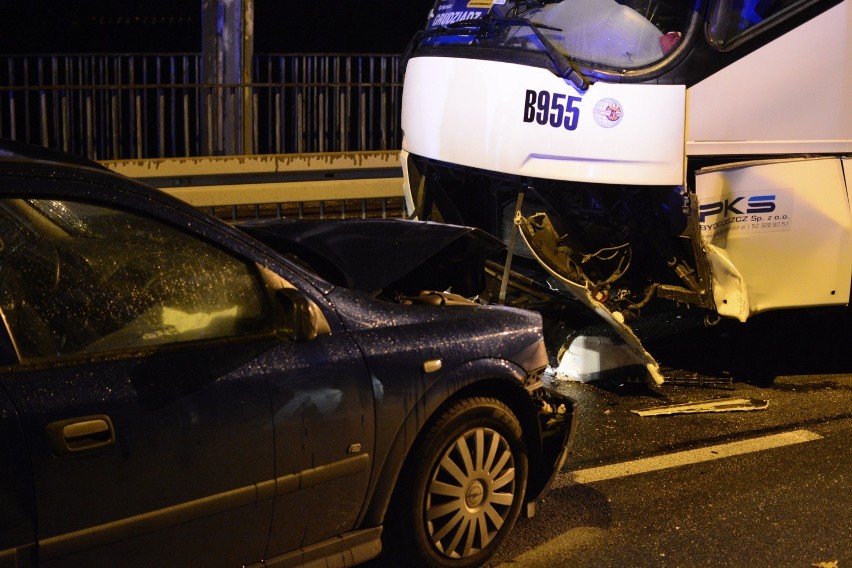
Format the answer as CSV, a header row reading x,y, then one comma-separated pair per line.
x,y
22,150
18,159
92,181
88,180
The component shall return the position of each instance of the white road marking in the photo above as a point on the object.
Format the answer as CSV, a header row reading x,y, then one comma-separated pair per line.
x,y
591,475
570,548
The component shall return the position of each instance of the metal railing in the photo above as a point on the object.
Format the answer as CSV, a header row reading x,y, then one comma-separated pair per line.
x,y
317,186
112,107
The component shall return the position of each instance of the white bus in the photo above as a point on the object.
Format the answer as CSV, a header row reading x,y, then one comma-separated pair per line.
x,y
669,153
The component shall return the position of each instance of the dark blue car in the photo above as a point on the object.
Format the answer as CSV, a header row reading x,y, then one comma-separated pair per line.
x,y
177,392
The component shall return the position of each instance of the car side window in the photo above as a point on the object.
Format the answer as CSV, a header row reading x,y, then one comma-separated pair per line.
x,y
81,278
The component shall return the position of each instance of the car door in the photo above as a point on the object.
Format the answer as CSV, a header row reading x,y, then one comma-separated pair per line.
x,y
142,388
17,502
155,462
164,408
324,437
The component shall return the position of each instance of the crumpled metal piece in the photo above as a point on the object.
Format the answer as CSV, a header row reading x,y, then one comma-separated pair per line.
x,y
543,241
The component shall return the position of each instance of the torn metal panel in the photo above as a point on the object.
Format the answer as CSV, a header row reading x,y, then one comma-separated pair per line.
x,y
719,405
543,241
758,219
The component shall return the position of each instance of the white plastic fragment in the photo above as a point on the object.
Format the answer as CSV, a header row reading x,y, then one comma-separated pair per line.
x,y
718,405
586,357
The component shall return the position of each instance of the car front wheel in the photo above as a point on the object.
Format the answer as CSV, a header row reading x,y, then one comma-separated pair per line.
x,y
463,490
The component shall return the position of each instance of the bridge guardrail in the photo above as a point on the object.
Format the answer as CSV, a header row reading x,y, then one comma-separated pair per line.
x,y
149,105
326,185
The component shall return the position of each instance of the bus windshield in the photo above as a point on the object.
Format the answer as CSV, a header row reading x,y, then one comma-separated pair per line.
x,y
603,34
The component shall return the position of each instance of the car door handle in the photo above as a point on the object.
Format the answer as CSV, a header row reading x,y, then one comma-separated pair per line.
x,y
78,435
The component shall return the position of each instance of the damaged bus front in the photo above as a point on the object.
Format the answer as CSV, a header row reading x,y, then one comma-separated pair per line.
x,y
654,155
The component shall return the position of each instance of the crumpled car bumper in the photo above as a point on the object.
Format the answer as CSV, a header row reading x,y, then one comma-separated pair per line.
x,y
558,420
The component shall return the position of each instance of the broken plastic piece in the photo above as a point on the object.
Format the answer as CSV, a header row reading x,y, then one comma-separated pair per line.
x,y
586,358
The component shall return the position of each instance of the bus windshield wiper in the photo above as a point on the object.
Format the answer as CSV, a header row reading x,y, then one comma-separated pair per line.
x,y
488,25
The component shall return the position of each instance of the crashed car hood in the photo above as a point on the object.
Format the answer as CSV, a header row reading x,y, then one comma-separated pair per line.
x,y
372,255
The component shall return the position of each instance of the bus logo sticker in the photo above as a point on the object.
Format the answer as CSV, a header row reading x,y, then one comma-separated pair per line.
x,y
742,212
608,113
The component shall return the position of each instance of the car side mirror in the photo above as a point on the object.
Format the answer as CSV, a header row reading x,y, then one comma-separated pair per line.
x,y
302,320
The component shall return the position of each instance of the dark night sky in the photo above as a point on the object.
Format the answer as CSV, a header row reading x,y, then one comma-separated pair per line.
x,y
173,26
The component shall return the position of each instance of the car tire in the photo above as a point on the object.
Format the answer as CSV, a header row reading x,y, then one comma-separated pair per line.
x,y
462,490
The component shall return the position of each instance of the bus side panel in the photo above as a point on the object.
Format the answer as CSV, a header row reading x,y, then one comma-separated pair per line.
x,y
788,97
778,234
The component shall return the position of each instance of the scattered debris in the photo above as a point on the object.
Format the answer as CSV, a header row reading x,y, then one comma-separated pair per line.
x,y
696,381
719,405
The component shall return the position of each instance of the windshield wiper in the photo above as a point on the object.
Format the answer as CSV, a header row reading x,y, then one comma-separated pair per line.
x,y
488,25
477,23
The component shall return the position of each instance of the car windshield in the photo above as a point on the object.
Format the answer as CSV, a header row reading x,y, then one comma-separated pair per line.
x,y
603,34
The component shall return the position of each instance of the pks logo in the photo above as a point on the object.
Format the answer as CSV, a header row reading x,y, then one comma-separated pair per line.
x,y
737,206
608,113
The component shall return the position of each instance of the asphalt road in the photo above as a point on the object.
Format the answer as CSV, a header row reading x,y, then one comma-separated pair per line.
x,y
773,507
